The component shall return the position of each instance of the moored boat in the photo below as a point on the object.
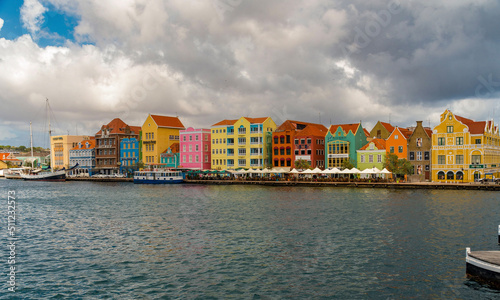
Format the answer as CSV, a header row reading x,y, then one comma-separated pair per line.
x,y
483,267
46,176
158,177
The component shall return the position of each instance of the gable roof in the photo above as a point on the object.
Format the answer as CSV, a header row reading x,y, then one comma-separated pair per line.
x,y
116,126
91,143
313,130
166,121
407,133
428,131
345,127
474,127
256,120
8,157
379,143
225,123
290,125
175,147
387,126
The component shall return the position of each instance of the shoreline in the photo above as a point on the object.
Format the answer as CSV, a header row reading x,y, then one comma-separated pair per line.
x,y
386,185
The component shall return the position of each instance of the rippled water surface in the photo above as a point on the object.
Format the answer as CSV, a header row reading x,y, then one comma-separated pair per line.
x,y
106,240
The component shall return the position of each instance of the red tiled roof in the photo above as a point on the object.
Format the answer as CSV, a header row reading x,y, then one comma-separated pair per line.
x,y
166,121
474,127
116,126
256,120
225,122
287,125
387,126
367,133
428,131
136,129
175,147
345,127
84,145
379,143
313,130
407,133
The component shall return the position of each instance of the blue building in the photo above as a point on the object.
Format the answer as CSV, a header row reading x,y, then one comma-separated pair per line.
x,y
83,154
129,155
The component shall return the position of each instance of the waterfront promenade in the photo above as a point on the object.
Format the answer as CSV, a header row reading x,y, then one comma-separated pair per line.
x,y
386,185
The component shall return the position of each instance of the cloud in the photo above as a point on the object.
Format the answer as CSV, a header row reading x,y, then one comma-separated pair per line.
x,y
1,23
32,15
339,61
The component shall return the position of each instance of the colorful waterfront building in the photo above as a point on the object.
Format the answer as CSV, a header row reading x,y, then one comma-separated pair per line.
x,y
372,155
464,150
419,152
10,160
108,141
243,143
159,133
294,140
397,142
342,142
83,154
381,130
171,157
60,145
195,148
129,155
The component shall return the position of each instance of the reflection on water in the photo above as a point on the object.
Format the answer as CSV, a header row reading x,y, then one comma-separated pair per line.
x,y
80,240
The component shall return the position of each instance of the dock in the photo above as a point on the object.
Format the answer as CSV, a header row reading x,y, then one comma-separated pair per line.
x,y
483,267
382,185
100,179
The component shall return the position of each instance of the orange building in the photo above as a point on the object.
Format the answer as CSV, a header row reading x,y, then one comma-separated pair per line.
x,y
397,142
295,140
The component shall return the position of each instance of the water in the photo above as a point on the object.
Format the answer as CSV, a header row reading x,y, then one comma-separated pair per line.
x,y
119,240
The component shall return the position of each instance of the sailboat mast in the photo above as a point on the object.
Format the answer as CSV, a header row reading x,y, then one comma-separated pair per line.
x,y
31,140
48,113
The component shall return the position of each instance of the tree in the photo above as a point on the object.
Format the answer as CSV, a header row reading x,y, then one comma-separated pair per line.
x,y
347,164
398,166
302,164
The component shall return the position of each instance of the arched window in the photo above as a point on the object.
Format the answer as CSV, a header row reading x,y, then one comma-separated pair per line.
x,y
450,175
460,175
441,175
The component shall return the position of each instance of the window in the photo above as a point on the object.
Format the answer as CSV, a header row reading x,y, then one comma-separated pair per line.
x,y
459,140
379,158
197,158
412,155
441,141
302,141
441,159
275,139
450,175
309,151
282,139
296,141
190,148
441,175
288,139
296,152
275,151
196,137
370,158
449,129
396,137
427,155
308,141
459,159
242,162
478,141
288,151
190,137
419,155
206,147
476,159
400,149
391,149
419,142
282,151
362,158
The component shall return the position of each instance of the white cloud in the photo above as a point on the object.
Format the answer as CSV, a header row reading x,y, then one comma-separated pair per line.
x,y
32,15
1,23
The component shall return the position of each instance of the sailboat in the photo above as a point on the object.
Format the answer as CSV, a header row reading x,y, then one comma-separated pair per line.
x,y
39,175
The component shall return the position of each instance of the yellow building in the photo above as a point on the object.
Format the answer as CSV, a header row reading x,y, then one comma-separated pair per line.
x,y
158,133
464,150
243,143
59,149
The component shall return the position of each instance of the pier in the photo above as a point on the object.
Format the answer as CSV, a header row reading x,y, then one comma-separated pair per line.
x,y
382,185
483,267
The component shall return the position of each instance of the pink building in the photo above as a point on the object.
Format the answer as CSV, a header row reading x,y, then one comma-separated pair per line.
x,y
195,148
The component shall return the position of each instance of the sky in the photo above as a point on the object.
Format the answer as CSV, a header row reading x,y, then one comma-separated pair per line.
x,y
323,61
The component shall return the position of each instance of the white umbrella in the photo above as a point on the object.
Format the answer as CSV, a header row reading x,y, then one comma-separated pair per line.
x,y
367,171
316,170
385,171
355,171
294,171
308,171
326,171
345,171
376,170
335,170
266,170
